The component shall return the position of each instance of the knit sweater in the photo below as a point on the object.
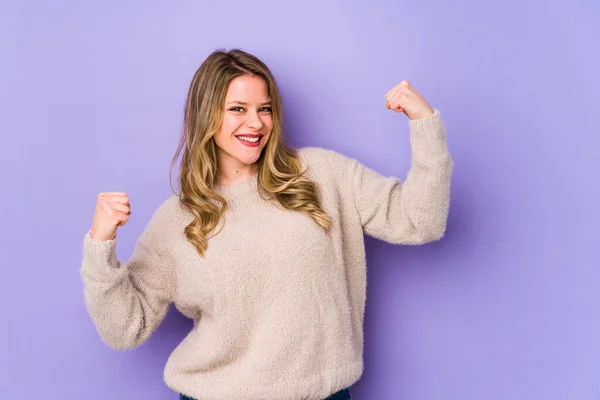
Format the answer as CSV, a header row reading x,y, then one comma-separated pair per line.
x,y
277,302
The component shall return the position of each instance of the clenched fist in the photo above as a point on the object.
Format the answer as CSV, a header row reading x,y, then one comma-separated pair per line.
x,y
404,98
112,211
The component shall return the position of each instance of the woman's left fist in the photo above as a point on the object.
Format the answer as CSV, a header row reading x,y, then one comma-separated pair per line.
x,y
404,98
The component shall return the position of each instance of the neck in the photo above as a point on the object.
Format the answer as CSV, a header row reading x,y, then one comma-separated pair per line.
x,y
232,174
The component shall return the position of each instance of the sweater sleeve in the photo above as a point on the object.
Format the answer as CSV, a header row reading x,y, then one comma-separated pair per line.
x,y
127,300
414,211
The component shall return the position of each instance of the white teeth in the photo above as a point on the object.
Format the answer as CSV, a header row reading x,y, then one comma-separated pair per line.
x,y
247,139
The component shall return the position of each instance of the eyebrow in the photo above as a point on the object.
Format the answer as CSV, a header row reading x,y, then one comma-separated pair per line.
x,y
243,103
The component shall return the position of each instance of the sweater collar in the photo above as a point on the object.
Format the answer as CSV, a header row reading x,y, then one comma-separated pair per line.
x,y
238,189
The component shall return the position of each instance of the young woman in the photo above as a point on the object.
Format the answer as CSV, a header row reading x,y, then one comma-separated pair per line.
x,y
262,246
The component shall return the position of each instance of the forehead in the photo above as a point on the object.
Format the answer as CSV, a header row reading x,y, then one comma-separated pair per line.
x,y
248,88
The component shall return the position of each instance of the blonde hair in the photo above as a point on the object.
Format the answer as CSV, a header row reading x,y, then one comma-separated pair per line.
x,y
280,174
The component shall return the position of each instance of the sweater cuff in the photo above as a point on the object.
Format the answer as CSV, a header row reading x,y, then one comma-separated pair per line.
x,y
428,134
99,258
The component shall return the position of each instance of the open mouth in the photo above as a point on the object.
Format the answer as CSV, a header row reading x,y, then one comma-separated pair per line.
x,y
250,140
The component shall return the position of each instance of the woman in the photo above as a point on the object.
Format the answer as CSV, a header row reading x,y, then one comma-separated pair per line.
x,y
263,245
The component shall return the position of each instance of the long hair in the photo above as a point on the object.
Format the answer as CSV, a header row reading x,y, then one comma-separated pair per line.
x,y
280,174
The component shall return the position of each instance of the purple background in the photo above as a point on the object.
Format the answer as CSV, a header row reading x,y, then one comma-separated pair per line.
x,y
507,306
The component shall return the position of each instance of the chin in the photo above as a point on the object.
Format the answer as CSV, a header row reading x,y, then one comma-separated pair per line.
x,y
249,160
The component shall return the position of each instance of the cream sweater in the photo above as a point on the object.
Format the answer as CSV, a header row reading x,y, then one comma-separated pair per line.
x,y
277,303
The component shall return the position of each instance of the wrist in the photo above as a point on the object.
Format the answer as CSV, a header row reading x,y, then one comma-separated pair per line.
x,y
424,114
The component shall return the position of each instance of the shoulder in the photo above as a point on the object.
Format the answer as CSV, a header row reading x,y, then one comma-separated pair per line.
x,y
166,214
328,168
318,158
163,225
167,207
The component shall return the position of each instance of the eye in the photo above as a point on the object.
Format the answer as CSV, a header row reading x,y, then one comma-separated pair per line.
x,y
236,109
266,109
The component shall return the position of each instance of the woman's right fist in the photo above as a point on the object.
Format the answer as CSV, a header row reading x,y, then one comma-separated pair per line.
x,y
112,211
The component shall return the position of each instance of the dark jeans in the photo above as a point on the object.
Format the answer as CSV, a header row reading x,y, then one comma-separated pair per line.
x,y
341,395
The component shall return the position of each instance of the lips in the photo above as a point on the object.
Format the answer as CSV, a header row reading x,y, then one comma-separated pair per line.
x,y
250,140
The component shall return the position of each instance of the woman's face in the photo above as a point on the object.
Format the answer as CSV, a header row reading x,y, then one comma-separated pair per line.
x,y
247,122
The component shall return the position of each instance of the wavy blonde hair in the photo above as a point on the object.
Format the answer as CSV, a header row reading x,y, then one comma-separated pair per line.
x,y
280,174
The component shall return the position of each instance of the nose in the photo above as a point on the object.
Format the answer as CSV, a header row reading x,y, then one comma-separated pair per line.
x,y
254,121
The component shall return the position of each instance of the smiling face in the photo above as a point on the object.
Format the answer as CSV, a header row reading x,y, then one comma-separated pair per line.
x,y
246,126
